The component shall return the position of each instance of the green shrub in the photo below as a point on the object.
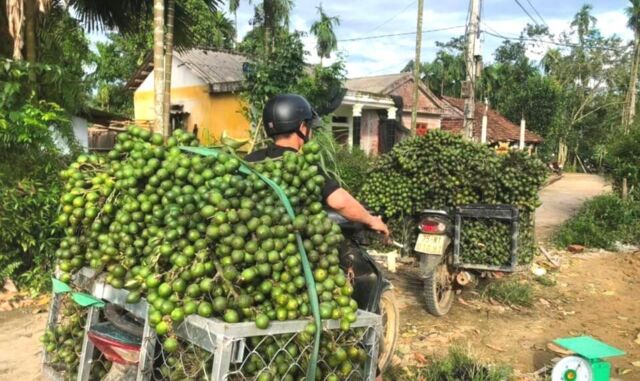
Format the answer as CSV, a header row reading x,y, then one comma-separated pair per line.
x,y
349,166
623,160
353,167
601,222
510,291
30,189
457,365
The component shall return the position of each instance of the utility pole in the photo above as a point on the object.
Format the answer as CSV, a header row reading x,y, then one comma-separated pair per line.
x,y
416,69
472,57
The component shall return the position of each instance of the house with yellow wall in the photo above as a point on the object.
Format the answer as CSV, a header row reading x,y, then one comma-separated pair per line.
x,y
205,86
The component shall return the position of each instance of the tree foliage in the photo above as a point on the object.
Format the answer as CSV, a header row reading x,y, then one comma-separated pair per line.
x,y
327,41
117,59
573,96
284,71
30,135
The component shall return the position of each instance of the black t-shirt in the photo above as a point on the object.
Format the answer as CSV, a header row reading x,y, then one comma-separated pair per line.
x,y
274,151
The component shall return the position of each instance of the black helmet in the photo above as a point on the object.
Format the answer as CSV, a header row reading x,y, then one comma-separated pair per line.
x,y
285,112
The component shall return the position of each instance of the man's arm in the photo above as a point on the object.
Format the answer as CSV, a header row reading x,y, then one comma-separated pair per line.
x,y
348,207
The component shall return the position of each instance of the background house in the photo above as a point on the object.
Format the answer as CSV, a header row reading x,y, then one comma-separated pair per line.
x,y
376,112
204,93
499,128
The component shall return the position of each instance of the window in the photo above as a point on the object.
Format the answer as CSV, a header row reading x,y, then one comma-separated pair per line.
x,y
341,129
421,129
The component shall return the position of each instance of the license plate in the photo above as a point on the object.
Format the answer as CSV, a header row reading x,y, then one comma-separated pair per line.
x,y
431,244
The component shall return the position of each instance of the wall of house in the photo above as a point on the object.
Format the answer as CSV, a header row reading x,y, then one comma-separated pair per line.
x,y
432,121
428,111
80,131
212,113
181,76
369,131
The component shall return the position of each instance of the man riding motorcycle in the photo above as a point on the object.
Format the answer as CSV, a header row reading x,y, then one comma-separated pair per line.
x,y
289,120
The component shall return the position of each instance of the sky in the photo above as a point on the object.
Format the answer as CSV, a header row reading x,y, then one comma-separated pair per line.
x,y
382,17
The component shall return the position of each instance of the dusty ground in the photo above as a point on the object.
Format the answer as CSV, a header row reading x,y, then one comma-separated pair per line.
x,y
596,294
20,331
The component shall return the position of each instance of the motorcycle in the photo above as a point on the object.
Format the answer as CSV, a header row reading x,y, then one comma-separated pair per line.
x,y
372,291
440,269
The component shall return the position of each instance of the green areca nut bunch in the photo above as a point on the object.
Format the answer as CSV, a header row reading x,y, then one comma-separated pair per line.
x,y
63,343
195,235
441,170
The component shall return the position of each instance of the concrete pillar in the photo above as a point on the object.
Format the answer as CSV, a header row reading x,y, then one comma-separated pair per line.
x,y
485,122
356,110
391,113
523,124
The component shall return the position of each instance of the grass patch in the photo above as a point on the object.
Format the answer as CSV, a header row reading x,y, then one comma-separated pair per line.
x,y
457,365
545,280
601,222
509,291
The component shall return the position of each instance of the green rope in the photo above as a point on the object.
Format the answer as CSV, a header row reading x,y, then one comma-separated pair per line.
x,y
306,266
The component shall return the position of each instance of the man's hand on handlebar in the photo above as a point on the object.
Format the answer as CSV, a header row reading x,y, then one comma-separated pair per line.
x,y
348,207
378,225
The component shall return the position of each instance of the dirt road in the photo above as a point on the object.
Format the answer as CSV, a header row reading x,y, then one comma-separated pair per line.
x,y
20,350
561,199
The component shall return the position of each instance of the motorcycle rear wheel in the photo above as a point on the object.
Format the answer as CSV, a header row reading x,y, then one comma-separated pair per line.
x,y
390,327
438,291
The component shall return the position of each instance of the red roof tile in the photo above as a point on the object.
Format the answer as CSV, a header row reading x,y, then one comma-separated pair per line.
x,y
499,128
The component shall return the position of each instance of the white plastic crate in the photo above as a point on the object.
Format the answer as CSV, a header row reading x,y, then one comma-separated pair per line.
x,y
214,350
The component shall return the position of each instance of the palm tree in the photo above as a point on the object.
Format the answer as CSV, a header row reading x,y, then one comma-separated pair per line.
x,y
272,16
233,8
24,12
325,36
633,12
168,60
224,32
583,21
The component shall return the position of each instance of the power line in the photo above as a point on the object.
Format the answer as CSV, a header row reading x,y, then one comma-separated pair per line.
x,y
568,45
394,16
538,13
526,11
399,34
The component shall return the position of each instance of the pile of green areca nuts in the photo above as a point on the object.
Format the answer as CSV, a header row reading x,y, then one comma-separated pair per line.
x,y
441,170
63,342
195,235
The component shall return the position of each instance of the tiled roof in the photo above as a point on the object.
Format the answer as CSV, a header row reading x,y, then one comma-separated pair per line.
x,y
223,71
377,84
212,66
499,128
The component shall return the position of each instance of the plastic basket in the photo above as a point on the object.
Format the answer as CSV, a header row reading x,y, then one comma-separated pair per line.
x,y
211,349
500,214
